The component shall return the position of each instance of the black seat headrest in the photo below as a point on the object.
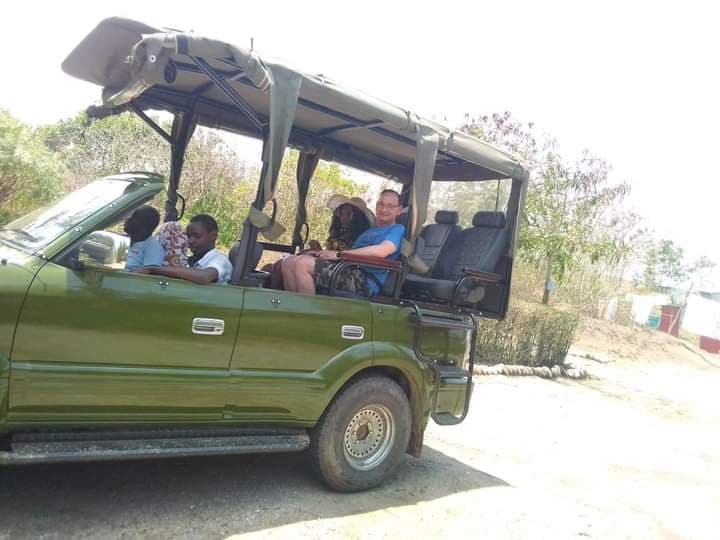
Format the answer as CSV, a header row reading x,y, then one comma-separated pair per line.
x,y
403,219
257,253
447,217
489,219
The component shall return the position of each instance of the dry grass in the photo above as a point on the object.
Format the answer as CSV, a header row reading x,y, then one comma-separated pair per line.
x,y
635,343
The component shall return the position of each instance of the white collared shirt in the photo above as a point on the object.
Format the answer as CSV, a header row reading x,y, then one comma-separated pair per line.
x,y
215,259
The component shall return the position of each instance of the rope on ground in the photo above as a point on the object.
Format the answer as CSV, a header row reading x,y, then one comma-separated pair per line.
x,y
700,355
569,371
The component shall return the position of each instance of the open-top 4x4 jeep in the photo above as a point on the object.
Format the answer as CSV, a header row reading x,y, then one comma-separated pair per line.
x,y
97,363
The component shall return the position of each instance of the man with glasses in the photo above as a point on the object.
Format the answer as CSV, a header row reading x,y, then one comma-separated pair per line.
x,y
304,273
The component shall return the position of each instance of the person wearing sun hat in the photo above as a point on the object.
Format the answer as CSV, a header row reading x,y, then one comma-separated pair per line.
x,y
310,272
351,217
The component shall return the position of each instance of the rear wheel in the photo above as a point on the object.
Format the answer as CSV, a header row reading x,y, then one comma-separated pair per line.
x,y
363,434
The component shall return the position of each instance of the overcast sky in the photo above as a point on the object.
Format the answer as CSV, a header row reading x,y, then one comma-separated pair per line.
x,y
635,82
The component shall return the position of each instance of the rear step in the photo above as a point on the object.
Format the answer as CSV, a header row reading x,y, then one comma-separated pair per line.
x,y
114,445
423,320
435,321
452,372
447,373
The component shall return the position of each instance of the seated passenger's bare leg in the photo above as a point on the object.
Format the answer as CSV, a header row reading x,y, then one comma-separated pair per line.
x,y
288,273
304,274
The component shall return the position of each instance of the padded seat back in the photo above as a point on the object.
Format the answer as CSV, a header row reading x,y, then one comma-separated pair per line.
x,y
256,255
479,247
438,236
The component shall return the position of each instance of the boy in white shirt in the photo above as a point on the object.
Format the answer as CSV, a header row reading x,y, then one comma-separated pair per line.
x,y
207,264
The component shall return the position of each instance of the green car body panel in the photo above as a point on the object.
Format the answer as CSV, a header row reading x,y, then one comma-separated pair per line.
x,y
91,347
17,271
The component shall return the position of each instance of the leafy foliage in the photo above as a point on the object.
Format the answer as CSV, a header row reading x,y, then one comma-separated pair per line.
x,y
109,146
571,215
30,174
215,179
664,264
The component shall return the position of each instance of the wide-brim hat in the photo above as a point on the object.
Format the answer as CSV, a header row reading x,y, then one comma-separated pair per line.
x,y
338,200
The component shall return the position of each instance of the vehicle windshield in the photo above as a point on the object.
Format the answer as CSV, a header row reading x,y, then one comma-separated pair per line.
x,y
39,228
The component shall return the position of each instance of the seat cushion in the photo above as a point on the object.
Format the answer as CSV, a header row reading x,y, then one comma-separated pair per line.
x,y
479,247
439,289
425,288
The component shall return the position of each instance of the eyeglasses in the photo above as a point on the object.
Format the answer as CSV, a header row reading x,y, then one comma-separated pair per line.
x,y
381,206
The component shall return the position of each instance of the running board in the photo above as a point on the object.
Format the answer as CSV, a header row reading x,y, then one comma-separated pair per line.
x,y
54,447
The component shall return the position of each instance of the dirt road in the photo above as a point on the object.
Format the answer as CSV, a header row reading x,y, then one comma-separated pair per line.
x,y
635,454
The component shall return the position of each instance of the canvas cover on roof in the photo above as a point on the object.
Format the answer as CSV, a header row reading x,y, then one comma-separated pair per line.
x,y
153,68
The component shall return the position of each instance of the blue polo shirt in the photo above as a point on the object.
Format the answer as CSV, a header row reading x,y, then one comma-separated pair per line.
x,y
373,237
147,252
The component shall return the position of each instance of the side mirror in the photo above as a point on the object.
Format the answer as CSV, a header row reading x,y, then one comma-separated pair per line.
x,y
104,248
74,263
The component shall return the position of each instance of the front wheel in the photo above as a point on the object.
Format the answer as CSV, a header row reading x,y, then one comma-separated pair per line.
x,y
363,434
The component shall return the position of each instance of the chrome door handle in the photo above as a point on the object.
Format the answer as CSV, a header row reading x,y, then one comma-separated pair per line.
x,y
208,327
352,332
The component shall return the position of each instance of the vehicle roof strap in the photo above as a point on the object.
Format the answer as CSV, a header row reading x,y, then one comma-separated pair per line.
x,y
183,127
307,164
284,94
426,149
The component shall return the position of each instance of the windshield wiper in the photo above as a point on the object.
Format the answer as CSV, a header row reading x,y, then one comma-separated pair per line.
x,y
20,232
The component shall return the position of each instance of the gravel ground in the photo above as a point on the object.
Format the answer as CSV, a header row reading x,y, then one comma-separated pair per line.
x,y
634,453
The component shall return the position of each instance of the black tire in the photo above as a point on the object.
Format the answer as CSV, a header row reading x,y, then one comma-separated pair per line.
x,y
362,435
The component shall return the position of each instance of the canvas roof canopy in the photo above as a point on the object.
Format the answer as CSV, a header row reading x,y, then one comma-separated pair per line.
x,y
132,60
218,85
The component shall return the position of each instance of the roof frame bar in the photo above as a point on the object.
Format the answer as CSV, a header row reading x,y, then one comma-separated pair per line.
x,y
351,120
229,91
150,122
348,127
360,123
200,90
149,96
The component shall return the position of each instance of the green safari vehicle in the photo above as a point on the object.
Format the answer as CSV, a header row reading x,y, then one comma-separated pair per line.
x,y
101,364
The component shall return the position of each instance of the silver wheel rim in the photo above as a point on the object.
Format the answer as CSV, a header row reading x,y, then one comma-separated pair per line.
x,y
369,437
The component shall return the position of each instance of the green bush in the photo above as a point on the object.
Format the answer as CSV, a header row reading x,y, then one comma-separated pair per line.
x,y
530,335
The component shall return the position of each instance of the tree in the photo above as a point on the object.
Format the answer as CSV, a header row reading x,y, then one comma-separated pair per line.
x,y
571,211
100,148
701,273
216,180
664,264
30,175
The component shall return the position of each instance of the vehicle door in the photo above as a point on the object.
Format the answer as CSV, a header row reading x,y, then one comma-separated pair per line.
x,y
102,345
292,351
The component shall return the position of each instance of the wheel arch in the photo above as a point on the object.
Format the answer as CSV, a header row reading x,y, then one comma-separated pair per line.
x,y
410,385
